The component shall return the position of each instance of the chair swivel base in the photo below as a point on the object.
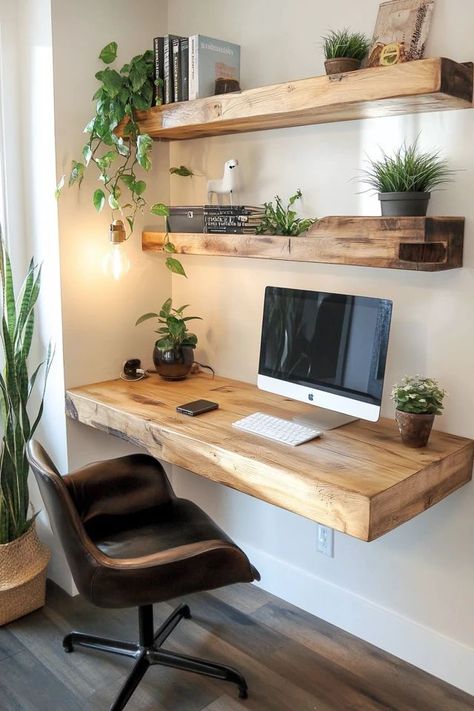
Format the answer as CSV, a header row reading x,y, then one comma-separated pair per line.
x,y
149,651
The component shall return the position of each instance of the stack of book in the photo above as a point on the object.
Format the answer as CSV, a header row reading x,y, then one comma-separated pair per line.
x,y
232,219
187,67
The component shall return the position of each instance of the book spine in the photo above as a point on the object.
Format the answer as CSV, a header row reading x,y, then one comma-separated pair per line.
x,y
184,58
176,69
232,210
158,44
193,66
167,71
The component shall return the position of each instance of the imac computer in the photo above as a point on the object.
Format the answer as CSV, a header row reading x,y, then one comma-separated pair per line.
x,y
325,349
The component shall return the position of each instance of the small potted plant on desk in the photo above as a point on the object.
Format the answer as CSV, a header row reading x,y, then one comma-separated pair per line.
x,y
404,179
344,51
173,354
417,402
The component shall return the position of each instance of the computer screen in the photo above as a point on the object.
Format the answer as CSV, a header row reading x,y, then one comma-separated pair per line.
x,y
328,349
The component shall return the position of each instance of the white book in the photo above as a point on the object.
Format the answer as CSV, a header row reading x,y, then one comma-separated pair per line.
x,y
193,59
211,59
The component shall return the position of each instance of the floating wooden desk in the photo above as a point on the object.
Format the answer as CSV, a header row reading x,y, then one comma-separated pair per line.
x,y
358,479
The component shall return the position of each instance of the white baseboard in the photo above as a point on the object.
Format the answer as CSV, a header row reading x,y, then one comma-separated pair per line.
x,y
417,644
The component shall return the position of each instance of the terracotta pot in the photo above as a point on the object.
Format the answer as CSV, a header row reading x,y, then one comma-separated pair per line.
x,y
404,204
341,65
173,364
23,565
414,429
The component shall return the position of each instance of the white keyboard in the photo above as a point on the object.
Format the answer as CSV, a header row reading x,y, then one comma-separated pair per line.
x,y
276,428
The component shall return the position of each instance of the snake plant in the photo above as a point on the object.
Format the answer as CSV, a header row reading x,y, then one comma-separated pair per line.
x,y
16,388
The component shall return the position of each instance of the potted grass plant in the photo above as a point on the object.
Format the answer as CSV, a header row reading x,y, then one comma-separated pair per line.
x,y
23,558
404,180
417,402
173,354
344,51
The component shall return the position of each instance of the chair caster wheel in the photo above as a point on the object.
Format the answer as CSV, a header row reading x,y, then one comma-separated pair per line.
x,y
67,645
186,612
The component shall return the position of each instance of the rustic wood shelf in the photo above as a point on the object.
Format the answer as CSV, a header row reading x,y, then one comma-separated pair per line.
x,y
433,84
413,243
359,479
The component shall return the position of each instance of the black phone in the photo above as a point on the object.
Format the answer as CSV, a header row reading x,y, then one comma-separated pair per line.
x,y
197,407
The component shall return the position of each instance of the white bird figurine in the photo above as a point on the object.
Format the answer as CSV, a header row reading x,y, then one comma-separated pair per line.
x,y
226,185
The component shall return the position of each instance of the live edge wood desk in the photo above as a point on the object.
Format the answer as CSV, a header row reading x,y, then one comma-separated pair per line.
x,y
358,479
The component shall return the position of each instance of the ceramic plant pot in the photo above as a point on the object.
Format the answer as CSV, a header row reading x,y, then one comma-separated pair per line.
x,y
341,65
414,429
173,364
23,565
404,204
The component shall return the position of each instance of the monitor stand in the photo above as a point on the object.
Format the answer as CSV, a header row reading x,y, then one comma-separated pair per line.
x,y
324,419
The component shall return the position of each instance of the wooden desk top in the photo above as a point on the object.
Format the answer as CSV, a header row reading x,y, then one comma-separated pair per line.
x,y
359,479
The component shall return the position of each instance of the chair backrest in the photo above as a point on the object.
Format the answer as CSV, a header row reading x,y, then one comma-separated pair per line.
x,y
63,516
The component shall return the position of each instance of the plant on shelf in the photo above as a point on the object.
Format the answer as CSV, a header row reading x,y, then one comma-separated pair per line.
x,y
280,220
344,50
23,559
120,160
173,354
405,178
417,401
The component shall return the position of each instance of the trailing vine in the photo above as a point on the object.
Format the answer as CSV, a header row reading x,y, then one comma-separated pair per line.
x,y
116,147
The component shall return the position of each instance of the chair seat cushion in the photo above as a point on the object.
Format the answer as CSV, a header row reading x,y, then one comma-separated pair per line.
x,y
212,560
174,524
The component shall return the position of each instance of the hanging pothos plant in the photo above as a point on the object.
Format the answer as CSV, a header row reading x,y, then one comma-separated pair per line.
x,y
119,158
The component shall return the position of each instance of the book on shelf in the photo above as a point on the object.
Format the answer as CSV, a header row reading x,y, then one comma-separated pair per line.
x,y
158,50
211,59
232,219
176,68
184,68
168,68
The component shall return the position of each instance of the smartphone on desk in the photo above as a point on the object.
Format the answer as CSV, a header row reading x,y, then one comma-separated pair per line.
x,y
197,407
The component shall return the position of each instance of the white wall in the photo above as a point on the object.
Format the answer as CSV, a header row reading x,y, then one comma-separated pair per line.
x,y
410,592
99,313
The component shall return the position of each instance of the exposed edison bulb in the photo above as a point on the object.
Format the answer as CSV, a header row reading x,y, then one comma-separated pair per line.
x,y
116,262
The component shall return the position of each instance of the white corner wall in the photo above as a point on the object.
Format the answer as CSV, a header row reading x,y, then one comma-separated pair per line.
x,y
99,313
410,592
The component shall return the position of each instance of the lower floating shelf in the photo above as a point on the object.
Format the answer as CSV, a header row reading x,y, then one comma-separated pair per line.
x,y
429,244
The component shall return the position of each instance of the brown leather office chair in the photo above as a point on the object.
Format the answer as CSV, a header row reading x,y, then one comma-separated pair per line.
x,y
130,542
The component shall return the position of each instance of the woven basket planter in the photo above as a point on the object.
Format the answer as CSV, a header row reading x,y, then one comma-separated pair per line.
x,y
23,565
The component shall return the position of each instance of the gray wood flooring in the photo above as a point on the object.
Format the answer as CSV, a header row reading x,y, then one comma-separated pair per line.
x,y
292,661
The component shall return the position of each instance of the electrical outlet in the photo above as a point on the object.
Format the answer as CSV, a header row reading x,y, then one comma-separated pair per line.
x,y
326,540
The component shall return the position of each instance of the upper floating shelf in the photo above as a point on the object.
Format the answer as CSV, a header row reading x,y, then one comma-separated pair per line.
x,y
433,84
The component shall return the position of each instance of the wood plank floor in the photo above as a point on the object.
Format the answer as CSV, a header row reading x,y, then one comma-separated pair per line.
x,y
292,661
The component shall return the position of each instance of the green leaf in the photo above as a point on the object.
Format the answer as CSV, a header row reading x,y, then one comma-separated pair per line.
x,y
59,187
112,82
145,317
113,202
182,171
160,209
98,200
139,187
87,154
166,308
77,173
109,53
175,266
144,146
169,247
